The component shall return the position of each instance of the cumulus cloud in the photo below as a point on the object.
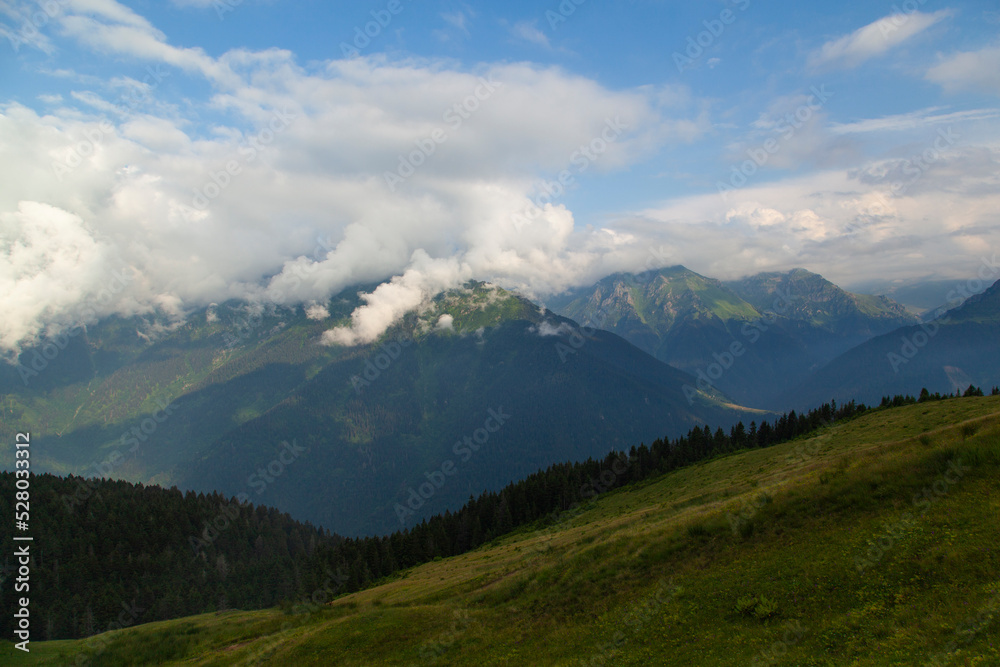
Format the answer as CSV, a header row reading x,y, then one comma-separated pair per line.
x,y
876,220
390,301
317,312
274,188
284,195
874,39
53,272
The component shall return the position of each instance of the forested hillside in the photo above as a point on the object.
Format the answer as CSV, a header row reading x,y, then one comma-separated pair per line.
x,y
870,542
209,403
174,554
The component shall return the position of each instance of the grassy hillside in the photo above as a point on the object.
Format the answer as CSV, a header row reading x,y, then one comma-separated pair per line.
x,y
872,543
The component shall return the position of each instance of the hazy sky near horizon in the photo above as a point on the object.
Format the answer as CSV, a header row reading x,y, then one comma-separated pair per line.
x,y
211,149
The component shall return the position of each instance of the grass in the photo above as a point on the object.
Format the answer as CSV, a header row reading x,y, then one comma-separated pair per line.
x,y
866,547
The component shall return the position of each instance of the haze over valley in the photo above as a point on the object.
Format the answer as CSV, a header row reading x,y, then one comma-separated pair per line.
x,y
389,333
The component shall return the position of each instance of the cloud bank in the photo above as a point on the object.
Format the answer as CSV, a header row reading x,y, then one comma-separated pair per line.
x,y
287,182
292,183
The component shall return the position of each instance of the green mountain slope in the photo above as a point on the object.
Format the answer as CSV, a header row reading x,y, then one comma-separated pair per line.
x,y
960,348
816,301
208,405
645,309
214,372
487,407
871,543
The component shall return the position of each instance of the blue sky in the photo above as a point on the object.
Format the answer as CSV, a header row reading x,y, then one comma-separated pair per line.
x,y
216,149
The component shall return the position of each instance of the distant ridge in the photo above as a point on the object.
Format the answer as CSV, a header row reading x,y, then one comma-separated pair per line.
x,y
960,348
781,325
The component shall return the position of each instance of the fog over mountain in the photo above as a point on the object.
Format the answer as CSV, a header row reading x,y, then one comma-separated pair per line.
x,y
149,166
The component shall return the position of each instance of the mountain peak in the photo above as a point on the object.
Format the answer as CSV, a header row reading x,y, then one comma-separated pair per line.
x,y
653,300
809,297
475,305
703,325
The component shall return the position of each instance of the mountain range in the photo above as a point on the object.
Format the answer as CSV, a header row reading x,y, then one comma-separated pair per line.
x,y
478,388
753,339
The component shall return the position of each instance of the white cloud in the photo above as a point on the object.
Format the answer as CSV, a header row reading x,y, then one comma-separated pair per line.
x,y
106,26
913,120
446,323
111,11
755,215
52,270
529,32
297,214
976,70
846,224
391,300
317,312
874,39
547,328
